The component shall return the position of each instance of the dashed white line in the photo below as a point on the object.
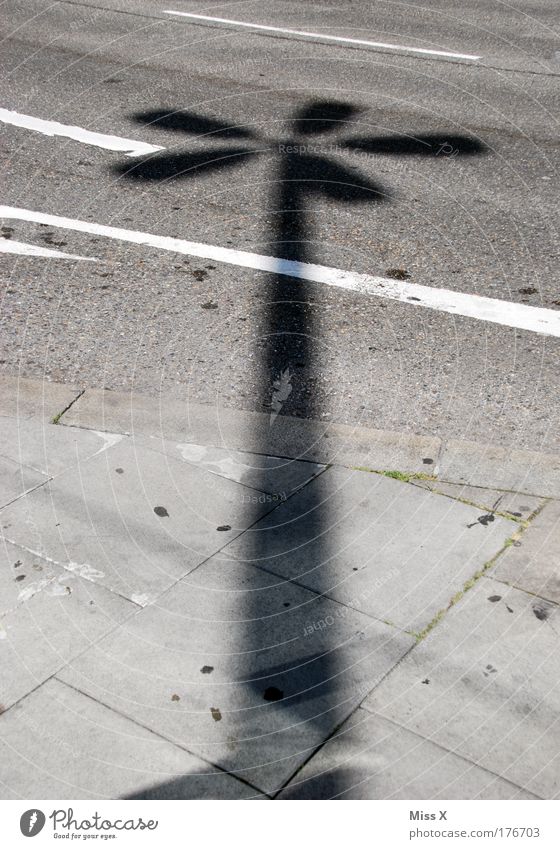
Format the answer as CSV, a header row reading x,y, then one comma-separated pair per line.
x,y
52,128
521,316
380,45
10,246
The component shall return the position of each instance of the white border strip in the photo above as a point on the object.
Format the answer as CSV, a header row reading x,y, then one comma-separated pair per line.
x,y
53,128
10,246
337,38
521,316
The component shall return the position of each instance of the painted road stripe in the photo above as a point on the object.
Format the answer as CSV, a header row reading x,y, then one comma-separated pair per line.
x,y
521,316
10,246
336,38
52,128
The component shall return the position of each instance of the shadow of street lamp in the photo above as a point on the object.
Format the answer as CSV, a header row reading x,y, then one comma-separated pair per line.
x,y
302,173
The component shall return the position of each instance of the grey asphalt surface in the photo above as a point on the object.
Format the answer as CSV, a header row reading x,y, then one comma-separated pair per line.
x,y
138,318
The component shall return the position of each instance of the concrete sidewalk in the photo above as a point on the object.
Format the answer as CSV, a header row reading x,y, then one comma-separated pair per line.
x,y
205,603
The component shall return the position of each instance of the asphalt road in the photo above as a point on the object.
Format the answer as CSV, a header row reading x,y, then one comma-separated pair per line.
x,y
478,215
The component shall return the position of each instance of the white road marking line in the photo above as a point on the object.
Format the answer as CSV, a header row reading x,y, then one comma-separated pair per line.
x,y
363,43
521,316
10,246
52,128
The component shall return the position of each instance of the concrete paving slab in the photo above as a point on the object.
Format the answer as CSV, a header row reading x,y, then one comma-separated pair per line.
x,y
59,744
503,468
315,441
273,476
48,448
517,504
533,563
379,545
370,757
131,520
16,479
22,397
484,683
224,665
56,619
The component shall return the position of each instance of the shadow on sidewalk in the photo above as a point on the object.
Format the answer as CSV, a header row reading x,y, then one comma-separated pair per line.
x,y
304,692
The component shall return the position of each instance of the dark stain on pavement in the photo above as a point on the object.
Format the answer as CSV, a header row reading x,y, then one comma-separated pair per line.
x,y
161,511
119,471
541,612
49,239
206,670
216,714
223,528
494,598
175,698
397,273
273,694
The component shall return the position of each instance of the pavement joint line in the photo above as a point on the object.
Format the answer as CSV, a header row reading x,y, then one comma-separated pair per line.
x,y
27,491
195,465
158,734
129,147
468,585
506,313
56,418
337,728
248,528
359,42
503,514
521,589
302,586
66,567
443,748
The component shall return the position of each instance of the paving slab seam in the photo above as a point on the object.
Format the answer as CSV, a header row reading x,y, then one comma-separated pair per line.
x,y
56,418
24,494
546,496
252,525
343,721
210,444
39,587
503,515
194,465
157,734
450,751
66,568
302,586
468,585
480,573
468,670
515,586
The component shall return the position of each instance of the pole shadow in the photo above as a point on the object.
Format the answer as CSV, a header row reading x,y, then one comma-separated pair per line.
x,y
305,688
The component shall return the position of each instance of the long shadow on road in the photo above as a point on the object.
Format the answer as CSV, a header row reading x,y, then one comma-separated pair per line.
x,y
296,660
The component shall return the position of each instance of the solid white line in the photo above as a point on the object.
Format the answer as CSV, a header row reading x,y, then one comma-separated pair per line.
x,y
338,38
10,246
521,316
53,128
